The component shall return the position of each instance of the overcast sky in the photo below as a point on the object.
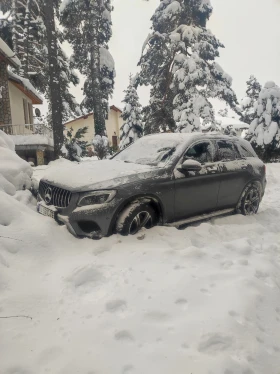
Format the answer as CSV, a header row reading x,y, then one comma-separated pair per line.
x,y
249,29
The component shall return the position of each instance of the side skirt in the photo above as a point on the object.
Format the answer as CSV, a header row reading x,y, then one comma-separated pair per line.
x,y
202,217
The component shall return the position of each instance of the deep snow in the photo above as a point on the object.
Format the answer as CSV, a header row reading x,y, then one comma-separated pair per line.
x,y
201,300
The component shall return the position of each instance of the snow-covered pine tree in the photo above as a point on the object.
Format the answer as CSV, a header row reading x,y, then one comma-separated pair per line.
x,y
87,25
264,131
178,60
132,128
28,30
248,102
74,147
25,29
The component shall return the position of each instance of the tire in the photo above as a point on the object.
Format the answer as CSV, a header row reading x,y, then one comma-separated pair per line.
x,y
136,216
250,200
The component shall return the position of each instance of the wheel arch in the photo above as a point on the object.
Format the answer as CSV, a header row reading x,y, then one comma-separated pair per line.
x,y
151,199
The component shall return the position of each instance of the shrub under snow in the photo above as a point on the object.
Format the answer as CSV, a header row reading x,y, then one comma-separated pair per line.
x,y
15,173
264,132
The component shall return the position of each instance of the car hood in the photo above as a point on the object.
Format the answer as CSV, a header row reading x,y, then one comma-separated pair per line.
x,y
97,175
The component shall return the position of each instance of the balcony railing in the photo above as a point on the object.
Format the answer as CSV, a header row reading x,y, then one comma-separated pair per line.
x,y
26,130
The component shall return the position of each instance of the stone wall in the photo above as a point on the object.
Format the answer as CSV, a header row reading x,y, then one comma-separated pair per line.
x,y
5,106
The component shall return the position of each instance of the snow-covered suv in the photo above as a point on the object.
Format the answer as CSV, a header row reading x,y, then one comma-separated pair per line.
x,y
168,179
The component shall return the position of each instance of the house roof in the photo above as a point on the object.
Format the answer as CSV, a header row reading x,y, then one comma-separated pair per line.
x,y
8,55
235,123
26,87
85,116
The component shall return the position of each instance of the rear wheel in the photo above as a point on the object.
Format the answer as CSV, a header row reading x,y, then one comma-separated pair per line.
x,y
250,201
136,216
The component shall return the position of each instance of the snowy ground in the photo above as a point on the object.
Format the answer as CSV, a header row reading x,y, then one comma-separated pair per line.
x,y
202,300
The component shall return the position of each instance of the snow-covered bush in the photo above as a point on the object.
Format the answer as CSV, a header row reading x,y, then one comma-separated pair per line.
x,y
15,173
132,129
247,105
101,146
264,131
74,147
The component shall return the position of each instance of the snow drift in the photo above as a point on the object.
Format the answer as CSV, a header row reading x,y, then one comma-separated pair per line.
x,y
15,173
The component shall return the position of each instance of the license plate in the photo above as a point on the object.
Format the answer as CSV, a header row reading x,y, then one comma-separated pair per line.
x,y
47,211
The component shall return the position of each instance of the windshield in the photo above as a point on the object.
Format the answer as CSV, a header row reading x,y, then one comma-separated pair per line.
x,y
149,151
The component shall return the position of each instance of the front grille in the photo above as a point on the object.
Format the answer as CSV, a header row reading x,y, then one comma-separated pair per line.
x,y
54,195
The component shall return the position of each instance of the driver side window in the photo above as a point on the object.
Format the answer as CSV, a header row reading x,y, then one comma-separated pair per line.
x,y
201,152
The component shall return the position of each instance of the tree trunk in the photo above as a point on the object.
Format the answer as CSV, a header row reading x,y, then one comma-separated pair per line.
x,y
54,77
25,59
99,120
14,26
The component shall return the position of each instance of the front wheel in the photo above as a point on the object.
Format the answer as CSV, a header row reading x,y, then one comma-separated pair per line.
x,y
250,201
136,216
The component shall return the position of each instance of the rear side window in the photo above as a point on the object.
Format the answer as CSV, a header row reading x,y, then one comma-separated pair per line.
x,y
201,152
227,151
244,152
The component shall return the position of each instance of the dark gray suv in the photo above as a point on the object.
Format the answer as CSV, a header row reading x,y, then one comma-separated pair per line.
x,y
167,179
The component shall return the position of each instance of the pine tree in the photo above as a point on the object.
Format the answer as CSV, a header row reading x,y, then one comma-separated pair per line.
x,y
247,104
74,146
87,26
264,131
132,128
178,60
31,31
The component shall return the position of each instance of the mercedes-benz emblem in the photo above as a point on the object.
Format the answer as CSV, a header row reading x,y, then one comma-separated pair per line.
x,y
48,195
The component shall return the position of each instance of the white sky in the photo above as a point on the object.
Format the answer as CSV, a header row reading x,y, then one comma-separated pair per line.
x,y
249,29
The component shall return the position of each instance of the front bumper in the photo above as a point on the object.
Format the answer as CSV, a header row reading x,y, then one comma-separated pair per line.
x,y
94,221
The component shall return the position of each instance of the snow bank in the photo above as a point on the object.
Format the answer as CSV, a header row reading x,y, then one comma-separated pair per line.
x,y
15,173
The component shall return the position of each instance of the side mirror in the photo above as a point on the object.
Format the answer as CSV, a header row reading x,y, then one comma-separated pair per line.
x,y
191,165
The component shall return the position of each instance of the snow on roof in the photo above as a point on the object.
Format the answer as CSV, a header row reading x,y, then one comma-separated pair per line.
x,y
9,54
227,121
27,85
32,139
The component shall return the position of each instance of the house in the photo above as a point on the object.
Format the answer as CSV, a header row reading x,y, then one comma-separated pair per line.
x,y
17,97
232,123
113,125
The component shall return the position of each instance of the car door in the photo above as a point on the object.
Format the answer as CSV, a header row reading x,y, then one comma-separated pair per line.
x,y
234,173
197,192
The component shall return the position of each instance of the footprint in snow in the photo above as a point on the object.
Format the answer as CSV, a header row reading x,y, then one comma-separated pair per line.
x,y
226,265
17,370
85,276
232,313
115,306
127,369
205,291
124,335
156,316
214,343
183,303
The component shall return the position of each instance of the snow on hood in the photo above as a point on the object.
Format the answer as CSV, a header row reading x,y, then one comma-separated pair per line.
x,y
91,175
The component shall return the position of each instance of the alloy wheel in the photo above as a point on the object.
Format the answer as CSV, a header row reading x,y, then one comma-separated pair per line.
x,y
142,219
252,202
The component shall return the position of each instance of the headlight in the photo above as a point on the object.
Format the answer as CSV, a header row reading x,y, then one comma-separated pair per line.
x,y
96,198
